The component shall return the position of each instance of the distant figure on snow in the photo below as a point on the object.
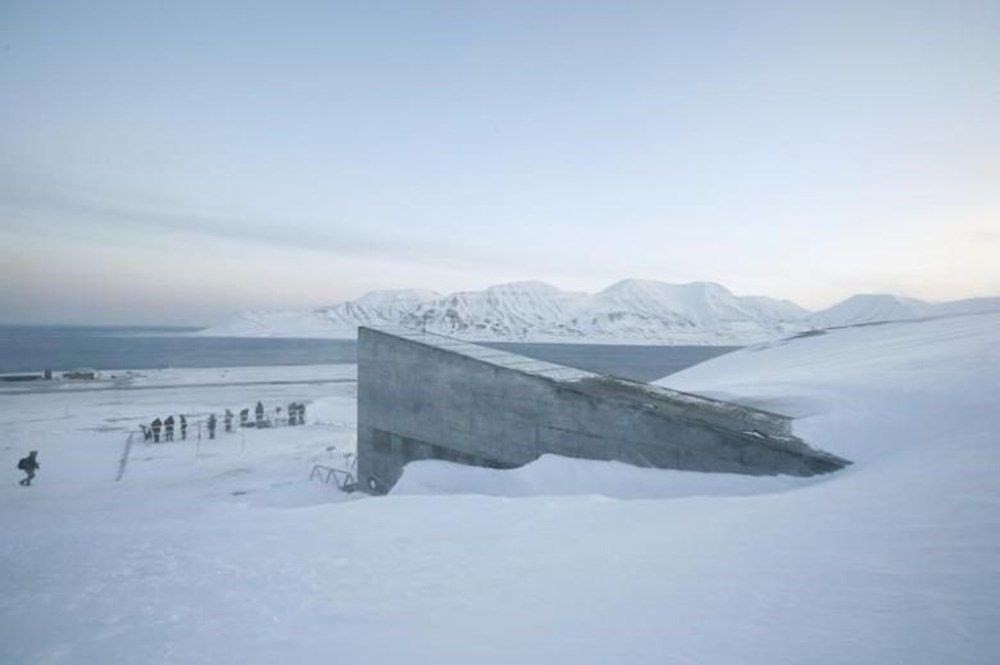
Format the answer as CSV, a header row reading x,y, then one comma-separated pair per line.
x,y
259,412
184,428
244,416
301,413
291,413
155,426
168,429
227,419
29,465
147,434
211,426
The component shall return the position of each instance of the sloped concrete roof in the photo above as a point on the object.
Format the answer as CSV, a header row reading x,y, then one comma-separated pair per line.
x,y
678,404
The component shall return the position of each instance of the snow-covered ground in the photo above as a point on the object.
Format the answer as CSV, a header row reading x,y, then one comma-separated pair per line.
x,y
225,552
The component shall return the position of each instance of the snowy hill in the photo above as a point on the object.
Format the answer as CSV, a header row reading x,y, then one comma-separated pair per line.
x,y
337,321
695,313
508,311
869,308
272,323
376,308
877,307
631,311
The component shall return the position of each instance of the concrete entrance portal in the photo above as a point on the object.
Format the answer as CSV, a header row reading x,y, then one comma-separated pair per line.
x,y
425,396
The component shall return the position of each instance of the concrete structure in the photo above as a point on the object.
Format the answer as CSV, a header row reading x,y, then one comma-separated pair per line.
x,y
424,396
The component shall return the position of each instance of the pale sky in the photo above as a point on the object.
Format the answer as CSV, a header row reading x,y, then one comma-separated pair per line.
x,y
171,162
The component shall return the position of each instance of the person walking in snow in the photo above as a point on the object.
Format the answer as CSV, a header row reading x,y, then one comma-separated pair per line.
x,y
168,429
184,428
211,425
147,434
29,465
227,420
155,426
301,413
291,413
244,416
259,412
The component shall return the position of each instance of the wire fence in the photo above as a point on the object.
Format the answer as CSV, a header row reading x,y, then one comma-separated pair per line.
x,y
206,427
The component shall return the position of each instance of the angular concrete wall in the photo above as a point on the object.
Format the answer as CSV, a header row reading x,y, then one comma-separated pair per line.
x,y
424,396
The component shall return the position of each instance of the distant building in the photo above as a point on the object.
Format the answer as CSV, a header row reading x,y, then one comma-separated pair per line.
x,y
82,373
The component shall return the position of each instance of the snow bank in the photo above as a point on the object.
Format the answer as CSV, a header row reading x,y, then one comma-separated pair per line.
x,y
552,475
870,391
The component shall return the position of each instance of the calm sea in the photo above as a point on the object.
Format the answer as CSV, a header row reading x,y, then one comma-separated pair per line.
x,y
35,348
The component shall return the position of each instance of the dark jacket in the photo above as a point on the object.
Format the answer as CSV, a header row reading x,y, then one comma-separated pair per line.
x,y
29,463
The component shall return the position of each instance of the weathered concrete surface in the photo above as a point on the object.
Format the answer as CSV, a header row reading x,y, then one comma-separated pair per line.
x,y
424,396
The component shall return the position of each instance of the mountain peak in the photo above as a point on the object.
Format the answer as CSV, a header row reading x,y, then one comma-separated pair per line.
x,y
384,296
525,286
650,285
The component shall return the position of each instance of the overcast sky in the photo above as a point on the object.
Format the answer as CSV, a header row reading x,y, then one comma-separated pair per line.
x,y
171,162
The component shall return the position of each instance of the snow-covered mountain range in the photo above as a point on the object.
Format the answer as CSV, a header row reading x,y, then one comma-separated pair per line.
x,y
631,311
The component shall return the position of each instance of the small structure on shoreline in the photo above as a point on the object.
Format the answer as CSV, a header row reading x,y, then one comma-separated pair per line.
x,y
81,374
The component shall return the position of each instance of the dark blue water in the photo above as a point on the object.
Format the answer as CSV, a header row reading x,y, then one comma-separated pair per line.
x,y
34,348
639,363
59,348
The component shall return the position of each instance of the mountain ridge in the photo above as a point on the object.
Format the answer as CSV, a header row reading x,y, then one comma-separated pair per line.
x,y
630,311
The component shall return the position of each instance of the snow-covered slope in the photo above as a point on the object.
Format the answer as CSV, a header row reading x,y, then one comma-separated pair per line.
x,y
338,321
891,560
271,323
909,384
376,308
869,308
777,308
877,307
223,551
695,313
507,311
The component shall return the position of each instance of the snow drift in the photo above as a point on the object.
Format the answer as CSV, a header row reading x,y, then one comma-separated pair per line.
x,y
552,475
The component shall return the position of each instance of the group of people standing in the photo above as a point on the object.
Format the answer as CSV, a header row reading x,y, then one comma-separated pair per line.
x,y
166,426
164,429
153,431
296,413
296,416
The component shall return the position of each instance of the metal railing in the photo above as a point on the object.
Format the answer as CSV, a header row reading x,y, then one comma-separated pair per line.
x,y
344,480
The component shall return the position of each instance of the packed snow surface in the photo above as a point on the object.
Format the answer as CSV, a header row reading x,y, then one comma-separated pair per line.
x,y
631,311
224,551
